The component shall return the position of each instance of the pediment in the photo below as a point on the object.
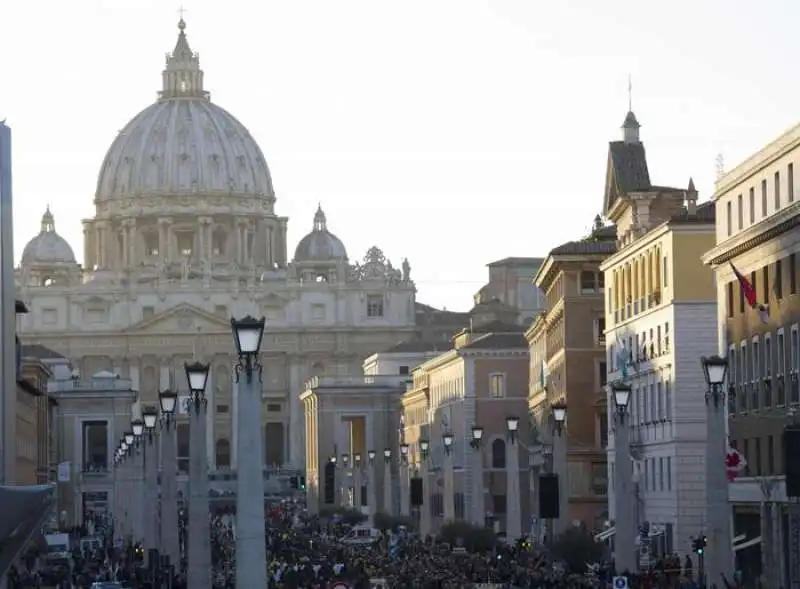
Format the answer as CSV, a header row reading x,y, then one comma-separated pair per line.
x,y
183,318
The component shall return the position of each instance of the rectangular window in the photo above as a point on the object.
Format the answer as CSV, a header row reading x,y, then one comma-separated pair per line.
x,y
375,306
752,206
730,299
730,218
658,341
790,183
587,282
754,281
740,211
601,281
497,385
780,368
756,359
794,350
666,337
669,473
660,473
95,446
757,452
792,274
660,401
667,401
767,368
765,274
603,368
777,190
778,285
763,198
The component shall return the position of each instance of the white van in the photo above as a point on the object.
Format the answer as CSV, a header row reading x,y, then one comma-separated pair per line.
x,y
363,535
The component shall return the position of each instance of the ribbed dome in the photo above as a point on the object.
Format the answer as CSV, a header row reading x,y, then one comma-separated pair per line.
x,y
183,144
320,245
48,247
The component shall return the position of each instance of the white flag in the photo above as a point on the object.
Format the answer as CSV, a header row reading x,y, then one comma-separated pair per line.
x,y
64,469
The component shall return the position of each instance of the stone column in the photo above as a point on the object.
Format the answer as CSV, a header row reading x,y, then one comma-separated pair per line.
x,y
357,483
124,252
372,489
514,507
478,496
130,243
624,500
449,492
251,550
388,505
169,493
560,467
405,489
150,459
163,239
199,530
718,554
425,508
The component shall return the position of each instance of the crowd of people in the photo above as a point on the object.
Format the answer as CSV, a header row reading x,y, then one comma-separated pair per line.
x,y
315,552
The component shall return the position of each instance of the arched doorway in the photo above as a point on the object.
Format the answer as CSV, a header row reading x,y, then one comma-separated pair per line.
x,y
273,444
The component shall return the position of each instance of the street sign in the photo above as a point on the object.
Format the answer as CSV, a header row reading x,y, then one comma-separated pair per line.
x,y
620,582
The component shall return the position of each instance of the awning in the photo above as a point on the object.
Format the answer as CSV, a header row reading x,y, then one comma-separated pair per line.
x,y
22,512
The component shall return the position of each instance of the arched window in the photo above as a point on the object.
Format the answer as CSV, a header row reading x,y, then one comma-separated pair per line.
x,y
499,453
223,453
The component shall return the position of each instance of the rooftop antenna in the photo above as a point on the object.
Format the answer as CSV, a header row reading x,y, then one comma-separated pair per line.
x,y
720,166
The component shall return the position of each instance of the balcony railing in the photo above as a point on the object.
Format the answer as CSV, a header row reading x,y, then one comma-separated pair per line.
x,y
358,381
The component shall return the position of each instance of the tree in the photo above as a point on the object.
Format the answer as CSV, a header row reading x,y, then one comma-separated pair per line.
x,y
384,521
473,538
576,547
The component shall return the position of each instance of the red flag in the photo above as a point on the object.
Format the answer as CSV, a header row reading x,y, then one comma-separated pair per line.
x,y
750,295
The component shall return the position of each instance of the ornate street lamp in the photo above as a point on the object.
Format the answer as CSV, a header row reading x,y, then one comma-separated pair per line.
x,y
333,459
345,460
247,335
477,437
387,454
150,418
622,396
512,423
715,369
128,440
447,440
168,400
357,459
197,375
137,425
371,456
424,447
559,411
404,453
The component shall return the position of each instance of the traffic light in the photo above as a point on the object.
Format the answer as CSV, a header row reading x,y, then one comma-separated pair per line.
x,y
302,483
699,544
294,482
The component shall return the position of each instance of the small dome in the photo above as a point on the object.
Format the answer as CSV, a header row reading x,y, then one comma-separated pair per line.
x,y
320,245
48,247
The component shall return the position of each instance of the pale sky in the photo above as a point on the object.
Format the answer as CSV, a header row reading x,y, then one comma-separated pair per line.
x,y
451,132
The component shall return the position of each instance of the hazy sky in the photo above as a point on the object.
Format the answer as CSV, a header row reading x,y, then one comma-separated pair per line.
x,y
451,132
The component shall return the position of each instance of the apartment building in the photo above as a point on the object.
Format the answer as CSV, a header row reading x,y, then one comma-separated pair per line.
x,y
660,319
568,365
757,233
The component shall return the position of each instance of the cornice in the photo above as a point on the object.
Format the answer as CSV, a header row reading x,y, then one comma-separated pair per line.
x,y
503,353
770,228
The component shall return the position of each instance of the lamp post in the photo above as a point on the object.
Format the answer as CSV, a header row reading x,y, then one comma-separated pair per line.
x,y
449,492
559,414
357,481
514,510
150,463
425,508
718,553
199,529
347,482
137,474
624,500
170,543
388,505
251,548
403,474
372,481
478,504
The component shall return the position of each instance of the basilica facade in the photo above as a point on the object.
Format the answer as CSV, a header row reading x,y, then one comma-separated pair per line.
x,y
185,236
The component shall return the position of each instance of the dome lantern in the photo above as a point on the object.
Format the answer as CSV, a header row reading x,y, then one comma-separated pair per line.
x,y
182,76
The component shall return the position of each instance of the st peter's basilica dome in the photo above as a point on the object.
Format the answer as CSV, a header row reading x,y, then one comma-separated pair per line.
x,y
183,143
48,247
320,245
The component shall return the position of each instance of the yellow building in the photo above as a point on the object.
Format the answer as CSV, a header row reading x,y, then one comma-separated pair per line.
x,y
660,318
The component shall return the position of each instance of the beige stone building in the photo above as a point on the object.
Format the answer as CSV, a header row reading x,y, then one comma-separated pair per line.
x,y
36,450
757,218
568,365
482,381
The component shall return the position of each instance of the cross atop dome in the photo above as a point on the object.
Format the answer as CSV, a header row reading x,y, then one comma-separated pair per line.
x,y
182,76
